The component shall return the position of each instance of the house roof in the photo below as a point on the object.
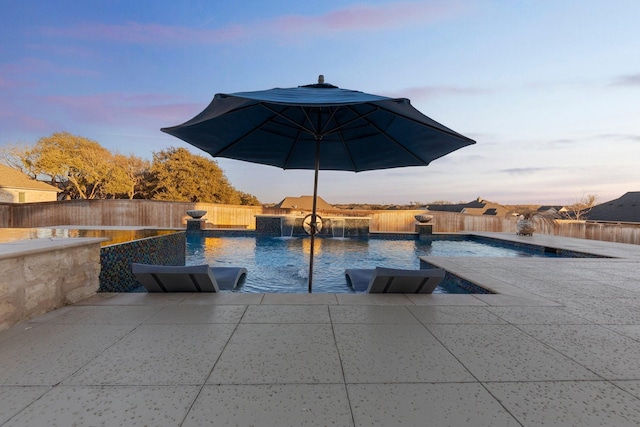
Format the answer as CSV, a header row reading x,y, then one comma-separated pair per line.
x,y
303,202
625,209
545,208
475,207
13,178
447,208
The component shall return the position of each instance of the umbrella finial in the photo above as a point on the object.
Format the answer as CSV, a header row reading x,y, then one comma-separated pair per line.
x,y
321,84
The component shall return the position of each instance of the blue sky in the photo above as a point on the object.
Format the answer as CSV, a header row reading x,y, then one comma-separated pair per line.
x,y
550,90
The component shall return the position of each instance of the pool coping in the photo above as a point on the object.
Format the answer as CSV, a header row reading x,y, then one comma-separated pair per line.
x,y
35,246
603,251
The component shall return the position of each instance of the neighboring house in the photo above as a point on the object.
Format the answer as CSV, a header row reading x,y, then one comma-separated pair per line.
x,y
17,187
476,207
623,209
304,203
552,211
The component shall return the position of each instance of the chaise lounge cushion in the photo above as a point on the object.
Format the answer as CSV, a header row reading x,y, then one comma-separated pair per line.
x,y
189,278
392,280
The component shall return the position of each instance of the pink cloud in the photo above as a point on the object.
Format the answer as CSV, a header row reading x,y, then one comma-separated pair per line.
x,y
120,108
366,17
5,83
34,123
426,92
25,121
38,66
5,112
62,50
118,112
133,32
628,80
27,73
171,113
363,17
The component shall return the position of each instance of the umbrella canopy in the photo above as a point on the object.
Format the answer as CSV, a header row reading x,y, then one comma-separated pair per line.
x,y
318,126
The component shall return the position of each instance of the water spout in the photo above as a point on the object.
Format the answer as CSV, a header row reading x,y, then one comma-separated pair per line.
x,y
286,226
337,227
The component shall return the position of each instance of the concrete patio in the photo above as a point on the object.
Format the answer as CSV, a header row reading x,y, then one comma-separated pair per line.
x,y
558,345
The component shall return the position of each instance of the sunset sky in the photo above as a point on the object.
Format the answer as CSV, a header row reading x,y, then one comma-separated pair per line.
x,y
550,90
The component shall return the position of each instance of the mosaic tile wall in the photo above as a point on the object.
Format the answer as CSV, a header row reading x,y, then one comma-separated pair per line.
x,y
533,248
455,283
223,233
116,276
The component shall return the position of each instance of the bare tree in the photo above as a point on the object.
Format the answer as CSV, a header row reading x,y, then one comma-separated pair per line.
x,y
18,156
578,209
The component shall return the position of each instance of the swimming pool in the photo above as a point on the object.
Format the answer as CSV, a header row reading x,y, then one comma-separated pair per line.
x,y
281,264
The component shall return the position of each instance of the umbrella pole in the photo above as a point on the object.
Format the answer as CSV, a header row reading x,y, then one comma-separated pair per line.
x,y
313,213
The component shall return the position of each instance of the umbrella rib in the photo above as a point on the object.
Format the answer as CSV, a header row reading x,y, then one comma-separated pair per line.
x,y
296,124
290,154
346,149
445,130
320,132
355,119
405,149
316,132
237,140
255,129
300,129
324,128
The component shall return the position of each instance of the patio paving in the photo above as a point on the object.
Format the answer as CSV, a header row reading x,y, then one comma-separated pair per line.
x,y
558,345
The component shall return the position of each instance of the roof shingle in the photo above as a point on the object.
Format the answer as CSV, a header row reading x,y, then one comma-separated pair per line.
x,y
624,209
12,178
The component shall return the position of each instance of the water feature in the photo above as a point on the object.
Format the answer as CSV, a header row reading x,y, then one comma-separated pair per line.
x,y
286,226
337,228
294,226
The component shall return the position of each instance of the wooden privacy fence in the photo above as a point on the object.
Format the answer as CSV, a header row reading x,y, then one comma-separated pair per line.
x,y
392,221
5,215
606,231
152,213
449,222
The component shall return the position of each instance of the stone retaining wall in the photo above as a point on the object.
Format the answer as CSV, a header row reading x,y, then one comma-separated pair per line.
x,y
37,277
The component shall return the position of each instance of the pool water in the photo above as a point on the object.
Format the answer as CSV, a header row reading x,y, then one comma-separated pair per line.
x,y
281,264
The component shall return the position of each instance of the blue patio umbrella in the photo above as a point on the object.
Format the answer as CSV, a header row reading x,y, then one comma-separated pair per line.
x,y
318,126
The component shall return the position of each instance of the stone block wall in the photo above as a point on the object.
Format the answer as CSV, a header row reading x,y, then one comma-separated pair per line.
x,y
35,280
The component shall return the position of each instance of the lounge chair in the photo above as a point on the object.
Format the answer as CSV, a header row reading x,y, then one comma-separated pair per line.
x,y
391,280
189,278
